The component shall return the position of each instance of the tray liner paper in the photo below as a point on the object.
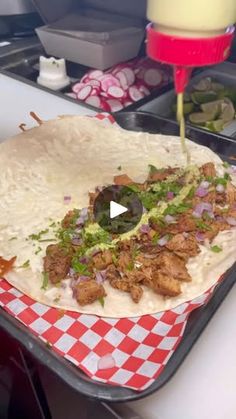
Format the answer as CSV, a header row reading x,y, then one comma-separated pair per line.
x,y
141,346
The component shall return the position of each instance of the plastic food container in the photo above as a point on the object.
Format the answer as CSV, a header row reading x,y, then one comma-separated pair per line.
x,y
224,73
93,38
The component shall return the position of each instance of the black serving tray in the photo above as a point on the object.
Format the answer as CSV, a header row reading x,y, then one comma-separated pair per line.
x,y
73,376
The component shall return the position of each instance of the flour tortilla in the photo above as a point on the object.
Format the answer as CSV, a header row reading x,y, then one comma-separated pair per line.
x,y
71,156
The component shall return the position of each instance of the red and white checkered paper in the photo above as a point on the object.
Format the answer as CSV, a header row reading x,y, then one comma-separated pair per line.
x,y
141,346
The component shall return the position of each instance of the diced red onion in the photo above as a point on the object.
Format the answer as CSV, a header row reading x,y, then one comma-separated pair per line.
x,y
84,260
201,192
204,184
219,218
100,276
76,241
83,216
170,195
199,237
106,362
63,285
170,219
200,208
71,272
220,188
83,278
67,199
185,234
145,228
231,221
163,240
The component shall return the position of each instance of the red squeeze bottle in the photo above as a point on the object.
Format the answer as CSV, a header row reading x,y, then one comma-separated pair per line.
x,y
190,33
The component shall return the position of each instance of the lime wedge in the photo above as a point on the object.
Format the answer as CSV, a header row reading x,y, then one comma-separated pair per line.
x,y
228,111
215,126
200,118
203,97
203,85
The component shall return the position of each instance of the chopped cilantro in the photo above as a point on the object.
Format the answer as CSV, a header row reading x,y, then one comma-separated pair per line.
x,y
25,265
101,301
130,266
57,299
38,250
176,209
39,235
191,192
46,240
155,238
53,224
79,267
119,168
45,281
100,236
114,259
209,179
202,226
216,249
226,164
152,169
13,238
223,180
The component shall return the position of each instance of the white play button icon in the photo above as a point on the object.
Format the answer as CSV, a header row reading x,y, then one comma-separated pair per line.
x,y
116,209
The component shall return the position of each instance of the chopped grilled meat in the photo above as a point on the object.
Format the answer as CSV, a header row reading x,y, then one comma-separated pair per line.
x,y
185,223
136,293
208,169
172,266
68,219
161,174
231,212
210,197
56,263
124,260
102,260
120,284
220,198
184,247
215,228
230,193
86,292
123,180
165,285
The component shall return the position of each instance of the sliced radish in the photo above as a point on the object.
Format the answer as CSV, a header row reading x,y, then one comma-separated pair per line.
x,y
130,76
77,87
94,83
135,94
122,79
105,106
104,94
95,91
115,105
107,81
93,101
140,74
84,92
95,74
127,103
143,89
116,92
153,77
85,79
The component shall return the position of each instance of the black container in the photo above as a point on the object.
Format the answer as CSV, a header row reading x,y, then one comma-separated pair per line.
x,y
198,320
